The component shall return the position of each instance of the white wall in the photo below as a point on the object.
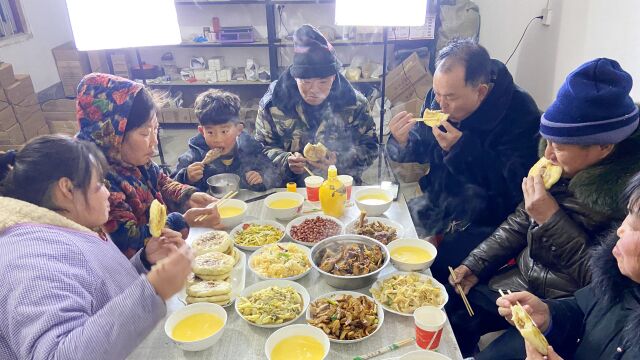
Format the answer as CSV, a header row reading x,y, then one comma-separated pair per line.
x,y
581,30
48,22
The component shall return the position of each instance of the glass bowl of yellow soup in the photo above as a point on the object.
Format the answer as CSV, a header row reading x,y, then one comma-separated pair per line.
x,y
197,326
232,212
412,254
284,205
300,342
374,201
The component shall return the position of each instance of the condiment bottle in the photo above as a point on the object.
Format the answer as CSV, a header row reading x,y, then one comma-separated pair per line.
x,y
291,187
332,194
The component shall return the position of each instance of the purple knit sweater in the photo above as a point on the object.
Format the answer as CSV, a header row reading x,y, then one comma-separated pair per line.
x,y
67,294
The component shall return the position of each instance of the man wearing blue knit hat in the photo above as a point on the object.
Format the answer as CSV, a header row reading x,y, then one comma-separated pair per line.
x,y
591,134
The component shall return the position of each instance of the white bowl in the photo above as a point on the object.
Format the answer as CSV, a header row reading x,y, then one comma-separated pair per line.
x,y
373,209
193,309
378,283
304,249
240,226
285,214
423,355
296,330
299,220
232,221
350,228
306,299
333,294
422,244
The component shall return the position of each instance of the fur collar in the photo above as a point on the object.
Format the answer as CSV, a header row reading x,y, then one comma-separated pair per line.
x,y
15,212
615,288
601,186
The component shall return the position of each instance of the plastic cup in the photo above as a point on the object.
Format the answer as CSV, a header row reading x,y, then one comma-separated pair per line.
x,y
347,181
312,184
429,321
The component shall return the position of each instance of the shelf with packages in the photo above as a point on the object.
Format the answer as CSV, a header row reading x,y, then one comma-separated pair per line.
x,y
260,43
204,83
340,42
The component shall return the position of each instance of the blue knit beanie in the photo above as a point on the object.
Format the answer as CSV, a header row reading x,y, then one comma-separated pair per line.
x,y
593,106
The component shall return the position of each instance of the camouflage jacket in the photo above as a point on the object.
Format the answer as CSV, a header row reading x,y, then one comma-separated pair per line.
x,y
345,126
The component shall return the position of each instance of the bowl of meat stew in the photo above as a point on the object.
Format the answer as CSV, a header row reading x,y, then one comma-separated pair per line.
x,y
349,262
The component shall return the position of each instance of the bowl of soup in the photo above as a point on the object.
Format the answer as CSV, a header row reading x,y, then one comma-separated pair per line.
x,y
284,205
197,326
298,341
412,254
232,212
222,184
374,201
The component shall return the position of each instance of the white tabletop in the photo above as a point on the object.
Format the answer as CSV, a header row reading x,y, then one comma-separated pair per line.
x,y
243,341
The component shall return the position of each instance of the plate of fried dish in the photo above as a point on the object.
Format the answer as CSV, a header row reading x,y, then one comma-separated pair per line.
x,y
272,303
287,261
379,228
403,292
345,316
254,234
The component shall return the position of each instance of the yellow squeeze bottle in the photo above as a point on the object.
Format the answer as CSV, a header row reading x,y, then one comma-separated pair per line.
x,y
332,194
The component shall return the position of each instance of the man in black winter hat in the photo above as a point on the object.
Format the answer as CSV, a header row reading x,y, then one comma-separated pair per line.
x,y
313,103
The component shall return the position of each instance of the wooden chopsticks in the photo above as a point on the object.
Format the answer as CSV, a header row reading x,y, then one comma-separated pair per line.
x,y
309,171
222,200
462,295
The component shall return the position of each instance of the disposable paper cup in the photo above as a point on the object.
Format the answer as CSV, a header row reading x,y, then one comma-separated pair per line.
x,y
347,181
429,321
312,184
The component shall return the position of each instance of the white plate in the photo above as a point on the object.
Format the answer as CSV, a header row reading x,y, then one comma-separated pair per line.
x,y
378,283
238,274
280,283
304,249
239,228
354,294
350,228
299,220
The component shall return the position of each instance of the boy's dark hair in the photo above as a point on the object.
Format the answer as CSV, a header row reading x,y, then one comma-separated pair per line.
x,y
29,174
471,55
217,107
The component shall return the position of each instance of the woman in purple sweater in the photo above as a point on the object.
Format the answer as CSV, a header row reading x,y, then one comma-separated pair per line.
x,y
67,292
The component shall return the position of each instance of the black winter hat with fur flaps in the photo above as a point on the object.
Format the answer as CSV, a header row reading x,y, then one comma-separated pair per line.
x,y
313,55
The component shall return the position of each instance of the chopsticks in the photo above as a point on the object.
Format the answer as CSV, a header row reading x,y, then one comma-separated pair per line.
x,y
386,349
309,171
462,295
222,200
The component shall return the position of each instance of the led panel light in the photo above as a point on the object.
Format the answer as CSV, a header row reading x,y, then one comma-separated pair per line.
x,y
381,12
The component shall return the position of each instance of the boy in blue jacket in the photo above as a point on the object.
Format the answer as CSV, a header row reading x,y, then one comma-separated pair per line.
x,y
222,146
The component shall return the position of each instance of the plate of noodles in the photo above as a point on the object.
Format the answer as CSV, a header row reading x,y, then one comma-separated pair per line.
x,y
403,292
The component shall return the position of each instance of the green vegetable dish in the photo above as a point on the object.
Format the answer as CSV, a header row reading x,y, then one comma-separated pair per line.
x,y
258,235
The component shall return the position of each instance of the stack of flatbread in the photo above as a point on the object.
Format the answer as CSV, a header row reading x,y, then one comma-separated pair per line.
x,y
211,278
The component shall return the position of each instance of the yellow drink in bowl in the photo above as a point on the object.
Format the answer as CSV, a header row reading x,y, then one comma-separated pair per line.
x,y
197,327
299,348
229,211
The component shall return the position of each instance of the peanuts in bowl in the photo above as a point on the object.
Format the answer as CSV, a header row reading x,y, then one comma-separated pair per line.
x,y
309,230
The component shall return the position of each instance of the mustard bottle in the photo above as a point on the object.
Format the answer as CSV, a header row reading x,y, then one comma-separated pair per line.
x,y
332,194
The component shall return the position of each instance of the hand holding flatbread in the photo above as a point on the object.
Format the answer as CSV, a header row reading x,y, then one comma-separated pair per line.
x,y
315,152
433,118
550,172
510,306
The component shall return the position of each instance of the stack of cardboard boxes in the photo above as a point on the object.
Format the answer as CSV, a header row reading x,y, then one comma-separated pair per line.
x,y
60,115
72,66
21,117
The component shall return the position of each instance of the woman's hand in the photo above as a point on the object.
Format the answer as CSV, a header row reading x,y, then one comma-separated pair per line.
x,y
538,203
157,249
200,200
537,309
533,354
169,275
465,277
212,219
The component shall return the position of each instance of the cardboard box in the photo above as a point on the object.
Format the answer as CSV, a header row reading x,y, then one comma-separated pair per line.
x,y
59,105
7,118
71,72
68,52
32,127
399,33
25,109
426,31
412,106
407,79
12,136
20,90
3,97
176,116
63,127
98,61
7,77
